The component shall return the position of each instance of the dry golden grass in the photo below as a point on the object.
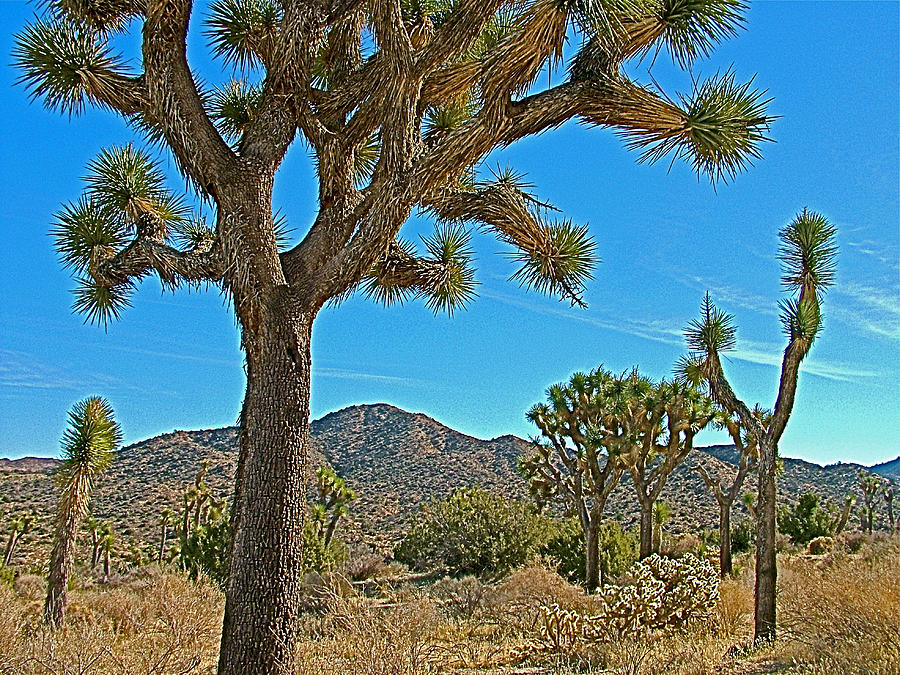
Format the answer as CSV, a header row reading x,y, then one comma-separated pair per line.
x,y
839,614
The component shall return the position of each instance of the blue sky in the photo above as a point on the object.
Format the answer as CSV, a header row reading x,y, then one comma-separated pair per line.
x,y
173,361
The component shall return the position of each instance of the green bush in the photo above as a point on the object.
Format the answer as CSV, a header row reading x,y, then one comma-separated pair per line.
x,y
565,548
473,531
743,535
807,520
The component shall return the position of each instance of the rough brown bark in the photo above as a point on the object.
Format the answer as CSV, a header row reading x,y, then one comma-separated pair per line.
x,y
592,577
264,588
646,530
766,569
70,513
725,564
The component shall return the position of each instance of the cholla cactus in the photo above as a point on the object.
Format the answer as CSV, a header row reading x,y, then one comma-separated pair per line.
x,y
665,593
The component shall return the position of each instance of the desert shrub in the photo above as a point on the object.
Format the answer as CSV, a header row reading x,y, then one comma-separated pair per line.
x,y
735,606
206,550
566,550
807,520
844,615
821,545
460,597
362,563
473,531
680,544
743,535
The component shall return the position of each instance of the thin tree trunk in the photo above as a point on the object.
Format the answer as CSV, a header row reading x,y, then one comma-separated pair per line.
x,y
725,566
95,551
592,558
162,543
69,515
264,588
766,568
10,547
329,532
646,530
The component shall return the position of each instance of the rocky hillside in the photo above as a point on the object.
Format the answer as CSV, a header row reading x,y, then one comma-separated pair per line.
x,y
393,459
890,470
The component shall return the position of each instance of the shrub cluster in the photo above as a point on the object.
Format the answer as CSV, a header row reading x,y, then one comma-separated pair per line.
x,y
473,531
566,549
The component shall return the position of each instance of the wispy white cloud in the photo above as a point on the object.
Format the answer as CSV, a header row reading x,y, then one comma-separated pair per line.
x,y
657,330
874,309
343,374
729,295
771,355
19,370
885,253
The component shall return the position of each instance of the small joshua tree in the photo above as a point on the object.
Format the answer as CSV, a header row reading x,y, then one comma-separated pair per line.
x,y
726,493
870,486
889,501
660,425
576,464
661,514
87,449
17,529
333,502
849,501
807,254
164,519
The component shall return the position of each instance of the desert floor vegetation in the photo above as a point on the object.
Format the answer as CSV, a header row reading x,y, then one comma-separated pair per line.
x,y
838,613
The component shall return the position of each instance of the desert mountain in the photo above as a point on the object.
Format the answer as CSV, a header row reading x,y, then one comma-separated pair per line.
x,y
393,459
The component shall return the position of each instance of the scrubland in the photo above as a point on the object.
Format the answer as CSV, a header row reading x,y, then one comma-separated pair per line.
x,y
838,613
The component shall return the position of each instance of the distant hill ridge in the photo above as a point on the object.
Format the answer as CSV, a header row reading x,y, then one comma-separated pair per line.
x,y
393,459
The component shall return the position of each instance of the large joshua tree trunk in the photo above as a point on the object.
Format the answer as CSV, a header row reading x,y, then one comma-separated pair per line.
x,y
766,570
264,586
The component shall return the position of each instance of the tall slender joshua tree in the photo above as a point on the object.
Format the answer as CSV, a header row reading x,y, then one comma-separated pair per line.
x,y
397,100
87,448
807,254
19,527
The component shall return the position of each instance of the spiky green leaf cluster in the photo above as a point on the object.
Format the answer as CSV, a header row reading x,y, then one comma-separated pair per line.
x,y
84,234
808,252
365,159
723,126
800,319
103,16
451,245
233,106
89,441
713,333
693,27
126,182
562,264
240,32
191,232
65,64
101,304
446,118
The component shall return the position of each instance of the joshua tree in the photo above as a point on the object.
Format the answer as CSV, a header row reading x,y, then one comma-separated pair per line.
x,y
17,529
661,514
164,520
870,486
661,423
106,541
87,448
576,465
92,525
396,101
726,493
333,501
889,500
849,501
808,255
